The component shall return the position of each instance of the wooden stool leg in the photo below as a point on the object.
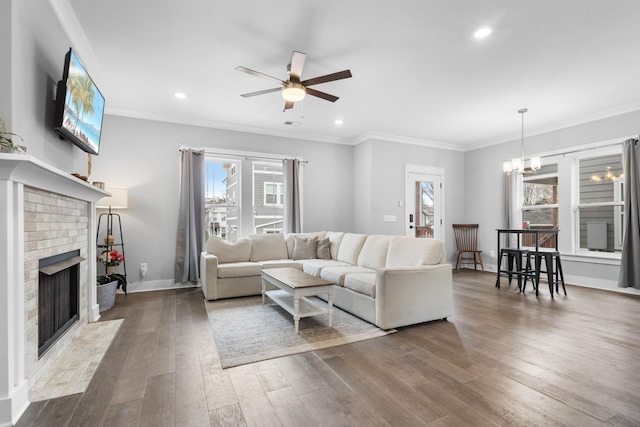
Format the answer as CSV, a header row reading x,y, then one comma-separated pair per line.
x,y
561,274
549,264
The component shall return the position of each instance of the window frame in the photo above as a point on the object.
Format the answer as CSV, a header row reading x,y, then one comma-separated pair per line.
x,y
579,204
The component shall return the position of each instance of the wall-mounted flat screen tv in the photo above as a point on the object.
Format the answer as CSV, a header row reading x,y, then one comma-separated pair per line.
x,y
79,106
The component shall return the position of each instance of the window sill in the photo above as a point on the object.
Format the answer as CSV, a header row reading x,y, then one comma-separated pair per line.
x,y
593,258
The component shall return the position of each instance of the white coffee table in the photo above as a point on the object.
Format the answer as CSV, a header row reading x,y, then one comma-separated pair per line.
x,y
294,286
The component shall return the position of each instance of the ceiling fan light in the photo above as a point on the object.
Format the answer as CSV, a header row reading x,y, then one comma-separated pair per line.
x,y
293,92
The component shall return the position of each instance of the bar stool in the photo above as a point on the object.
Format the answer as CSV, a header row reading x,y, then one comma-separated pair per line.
x,y
517,256
553,269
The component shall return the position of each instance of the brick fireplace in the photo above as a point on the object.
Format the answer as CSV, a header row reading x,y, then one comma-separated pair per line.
x,y
44,212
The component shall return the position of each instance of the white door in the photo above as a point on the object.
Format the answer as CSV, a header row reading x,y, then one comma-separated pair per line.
x,y
423,201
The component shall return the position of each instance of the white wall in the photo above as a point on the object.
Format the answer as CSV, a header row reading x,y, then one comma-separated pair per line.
x,y
484,188
142,156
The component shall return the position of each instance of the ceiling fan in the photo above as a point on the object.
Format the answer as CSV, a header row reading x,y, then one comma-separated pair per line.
x,y
293,89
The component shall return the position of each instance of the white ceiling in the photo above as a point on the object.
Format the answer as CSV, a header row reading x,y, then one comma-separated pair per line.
x,y
418,74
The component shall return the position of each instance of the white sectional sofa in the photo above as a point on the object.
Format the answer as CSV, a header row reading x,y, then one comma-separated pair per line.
x,y
390,281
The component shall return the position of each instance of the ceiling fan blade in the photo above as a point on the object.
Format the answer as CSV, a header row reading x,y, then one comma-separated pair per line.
x,y
327,78
261,92
297,64
288,105
322,95
258,74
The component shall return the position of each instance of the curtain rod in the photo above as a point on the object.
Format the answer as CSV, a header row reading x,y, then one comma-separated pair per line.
x,y
240,156
599,147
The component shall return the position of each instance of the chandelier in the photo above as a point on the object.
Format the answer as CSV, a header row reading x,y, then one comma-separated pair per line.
x,y
517,164
607,175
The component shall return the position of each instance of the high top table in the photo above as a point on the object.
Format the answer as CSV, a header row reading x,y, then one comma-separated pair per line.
x,y
520,232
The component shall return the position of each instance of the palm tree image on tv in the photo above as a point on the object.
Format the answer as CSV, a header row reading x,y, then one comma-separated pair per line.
x,y
83,105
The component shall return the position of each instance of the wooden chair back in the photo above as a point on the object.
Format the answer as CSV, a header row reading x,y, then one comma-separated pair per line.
x,y
466,236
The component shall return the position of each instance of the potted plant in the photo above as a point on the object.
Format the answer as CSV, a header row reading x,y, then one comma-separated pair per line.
x,y
6,144
111,260
109,283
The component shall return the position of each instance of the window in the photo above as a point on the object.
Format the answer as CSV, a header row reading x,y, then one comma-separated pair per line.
x,y
268,189
244,195
222,210
600,204
579,193
540,204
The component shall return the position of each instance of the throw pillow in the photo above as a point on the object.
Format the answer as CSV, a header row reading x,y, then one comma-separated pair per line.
x,y
324,249
238,251
266,247
304,247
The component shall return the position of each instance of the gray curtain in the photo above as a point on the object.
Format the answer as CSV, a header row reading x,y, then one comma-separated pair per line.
x,y
291,175
630,261
190,239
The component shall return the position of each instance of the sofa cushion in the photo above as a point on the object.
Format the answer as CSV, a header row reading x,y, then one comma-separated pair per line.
x,y
335,237
315,266
239,269
290,239
304,247
412,252
337,274
374,252
350,247
238,251
363,283
280,263
268,246
323,251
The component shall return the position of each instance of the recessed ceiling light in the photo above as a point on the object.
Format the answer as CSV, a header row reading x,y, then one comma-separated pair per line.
x,y
180,95
482,32
338,121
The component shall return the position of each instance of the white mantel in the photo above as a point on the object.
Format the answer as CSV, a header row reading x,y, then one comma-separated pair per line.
x,y
16,172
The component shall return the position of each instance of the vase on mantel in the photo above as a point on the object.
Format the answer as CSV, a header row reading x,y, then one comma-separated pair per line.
x,y
112,269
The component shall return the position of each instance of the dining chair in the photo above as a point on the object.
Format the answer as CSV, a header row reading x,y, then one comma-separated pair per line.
x,y
466,236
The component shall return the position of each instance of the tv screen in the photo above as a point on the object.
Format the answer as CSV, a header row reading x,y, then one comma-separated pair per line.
x,y
79,106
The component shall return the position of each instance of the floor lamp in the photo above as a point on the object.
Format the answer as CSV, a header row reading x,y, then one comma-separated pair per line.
x,y
117,200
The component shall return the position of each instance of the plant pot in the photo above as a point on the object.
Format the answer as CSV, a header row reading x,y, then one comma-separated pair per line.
x,y
107,295
112,269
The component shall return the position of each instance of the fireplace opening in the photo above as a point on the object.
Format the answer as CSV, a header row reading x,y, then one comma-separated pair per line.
x,y
58,297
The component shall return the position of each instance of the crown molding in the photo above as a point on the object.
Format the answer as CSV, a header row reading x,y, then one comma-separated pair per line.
x,y
72,27
587,118
407,140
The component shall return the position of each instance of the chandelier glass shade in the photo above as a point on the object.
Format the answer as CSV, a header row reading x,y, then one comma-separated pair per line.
x,y
608,174
517,164
293,92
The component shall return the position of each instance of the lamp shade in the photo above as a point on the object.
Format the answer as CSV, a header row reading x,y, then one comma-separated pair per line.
x,y
117,200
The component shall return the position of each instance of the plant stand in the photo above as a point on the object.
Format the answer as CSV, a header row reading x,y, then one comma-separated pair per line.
x,y
107,295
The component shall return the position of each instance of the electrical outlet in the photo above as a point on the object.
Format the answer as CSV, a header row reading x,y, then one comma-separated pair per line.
x,y
492,254
143,269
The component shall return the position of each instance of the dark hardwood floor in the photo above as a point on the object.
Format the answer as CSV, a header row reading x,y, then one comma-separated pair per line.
x,y
503,358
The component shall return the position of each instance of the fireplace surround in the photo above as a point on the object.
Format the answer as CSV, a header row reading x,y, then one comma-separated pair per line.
x,y
43,212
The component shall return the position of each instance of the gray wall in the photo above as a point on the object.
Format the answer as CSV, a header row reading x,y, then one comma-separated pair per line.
x,y
484,189
142,156
38,47
380,176
346,188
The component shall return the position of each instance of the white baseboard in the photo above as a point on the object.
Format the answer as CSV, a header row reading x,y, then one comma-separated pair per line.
x,y
157,285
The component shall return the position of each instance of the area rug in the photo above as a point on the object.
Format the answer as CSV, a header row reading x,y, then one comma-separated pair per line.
x,y
247,331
